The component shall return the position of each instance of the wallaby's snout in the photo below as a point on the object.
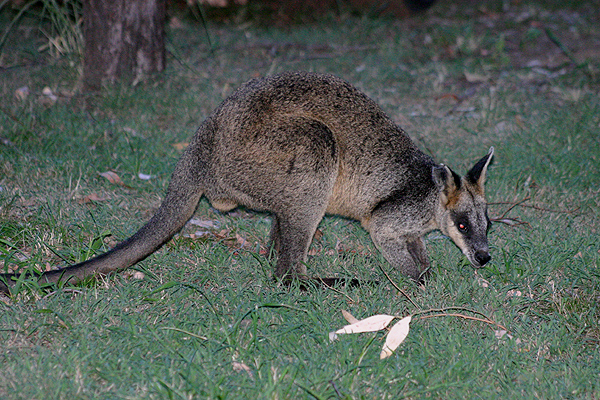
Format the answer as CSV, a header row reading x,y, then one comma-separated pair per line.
x,y
481,257
474,246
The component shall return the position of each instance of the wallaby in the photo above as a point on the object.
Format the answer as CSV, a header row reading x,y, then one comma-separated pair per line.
x,y
300,145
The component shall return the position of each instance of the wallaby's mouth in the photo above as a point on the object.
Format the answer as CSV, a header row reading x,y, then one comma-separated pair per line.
x,y
479,258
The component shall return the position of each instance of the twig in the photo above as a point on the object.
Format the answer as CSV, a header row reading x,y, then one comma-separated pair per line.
x,y
12,116
444,309
561,46
64,290
535,207
398,289
442,312
514,205
337,291
516,221
487,321
337,392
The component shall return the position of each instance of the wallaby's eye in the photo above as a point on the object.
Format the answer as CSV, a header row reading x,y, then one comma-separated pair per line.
x,y
463,228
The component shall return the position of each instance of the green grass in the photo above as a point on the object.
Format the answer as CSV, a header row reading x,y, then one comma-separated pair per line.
x,y
206,320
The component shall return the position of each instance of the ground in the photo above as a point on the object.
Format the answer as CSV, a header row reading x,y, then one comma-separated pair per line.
x,y
202,317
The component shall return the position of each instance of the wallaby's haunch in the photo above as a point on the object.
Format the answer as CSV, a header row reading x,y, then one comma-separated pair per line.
x,y
300,145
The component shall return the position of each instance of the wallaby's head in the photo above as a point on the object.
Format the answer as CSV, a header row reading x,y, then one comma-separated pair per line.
x,y
462,209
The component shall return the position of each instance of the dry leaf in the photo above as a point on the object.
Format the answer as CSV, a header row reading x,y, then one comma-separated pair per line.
x,y
175,23
139,275
22,93
238,366
475,78
131,131
204,223
349,317
500,334
241,240
113,178
180,146
318,235
49,94
90,198
508,221
482,282
395,337
371,324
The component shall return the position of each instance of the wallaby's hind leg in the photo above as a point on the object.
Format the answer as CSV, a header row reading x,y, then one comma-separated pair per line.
x,y
289,168
274,235
291,238
418,252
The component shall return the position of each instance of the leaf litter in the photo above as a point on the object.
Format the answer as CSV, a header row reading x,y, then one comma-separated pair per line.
x,y
399,331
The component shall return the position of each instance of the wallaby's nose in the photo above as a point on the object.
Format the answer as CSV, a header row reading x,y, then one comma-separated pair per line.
x,y
482,257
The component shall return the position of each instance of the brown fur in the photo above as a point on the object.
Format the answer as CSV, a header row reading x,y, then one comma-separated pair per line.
x,y
300,145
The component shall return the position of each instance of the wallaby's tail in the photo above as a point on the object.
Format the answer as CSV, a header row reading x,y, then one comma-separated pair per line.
x,y
176,209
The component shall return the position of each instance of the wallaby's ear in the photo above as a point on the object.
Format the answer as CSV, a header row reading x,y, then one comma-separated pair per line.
x,y
476,176
448,183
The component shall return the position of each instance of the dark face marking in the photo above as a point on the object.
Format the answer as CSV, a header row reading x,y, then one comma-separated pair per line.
x,y
461,221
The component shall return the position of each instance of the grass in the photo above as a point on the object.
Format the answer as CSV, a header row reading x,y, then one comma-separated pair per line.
x,y
205,320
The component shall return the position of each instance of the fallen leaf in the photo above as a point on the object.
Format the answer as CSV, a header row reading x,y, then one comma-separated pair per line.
x,y
318,235
48,98
139,275
501,333
180,146
131,131
395,337
200,234
482,282
349,317
371,324
91,198
22,93
240,240
573,95
475,78
175,23
238,366
508,221
204,223
113,178
6,142
48,93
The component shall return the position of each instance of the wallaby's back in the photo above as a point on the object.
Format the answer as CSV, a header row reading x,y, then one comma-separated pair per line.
x,y
258,124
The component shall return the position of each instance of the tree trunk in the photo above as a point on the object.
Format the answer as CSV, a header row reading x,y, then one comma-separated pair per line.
x,y
124,40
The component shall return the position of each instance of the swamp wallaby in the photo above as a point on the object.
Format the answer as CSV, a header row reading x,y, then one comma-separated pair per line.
x,y
300,145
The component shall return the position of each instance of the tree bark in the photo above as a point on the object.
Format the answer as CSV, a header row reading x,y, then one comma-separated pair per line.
x,y
124,40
